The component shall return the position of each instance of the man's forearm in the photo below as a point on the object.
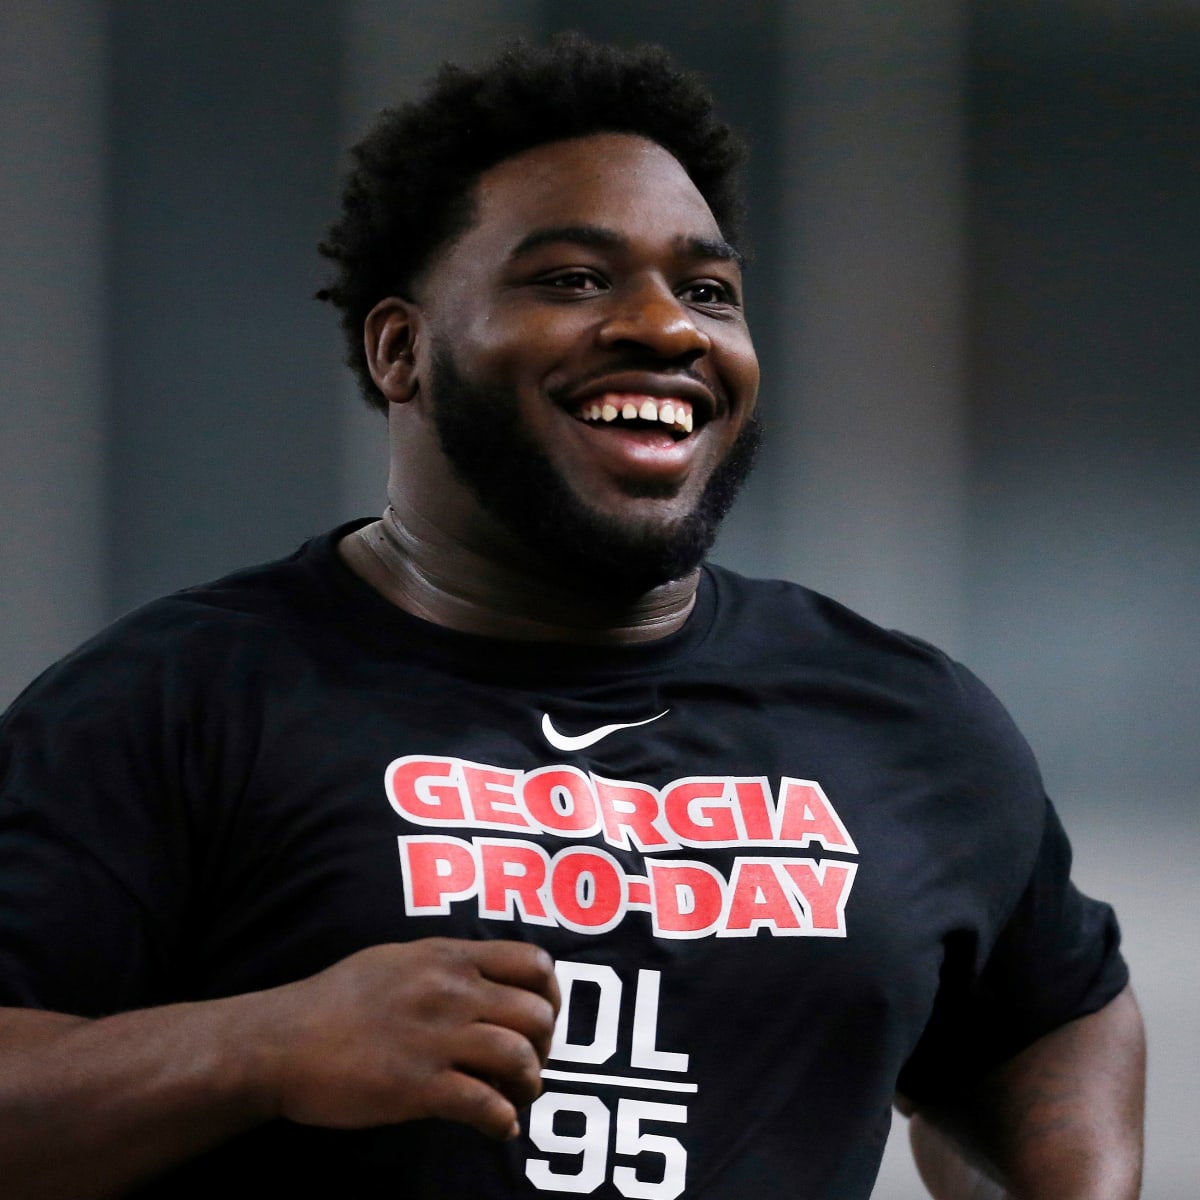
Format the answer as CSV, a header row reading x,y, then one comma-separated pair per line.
x,y
432,1028
90,1107
1060,1121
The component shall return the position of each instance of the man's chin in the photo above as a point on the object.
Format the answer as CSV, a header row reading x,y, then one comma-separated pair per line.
x,y
610,556
617,557
622,555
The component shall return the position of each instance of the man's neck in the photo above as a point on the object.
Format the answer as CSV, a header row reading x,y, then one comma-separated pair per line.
x,y
421,569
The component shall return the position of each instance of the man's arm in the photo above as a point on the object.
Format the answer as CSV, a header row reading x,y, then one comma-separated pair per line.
x,y
393,1033
1062,1120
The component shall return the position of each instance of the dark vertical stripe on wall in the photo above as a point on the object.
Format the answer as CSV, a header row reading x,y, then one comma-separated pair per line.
x,y
737,48
224,144
1085,135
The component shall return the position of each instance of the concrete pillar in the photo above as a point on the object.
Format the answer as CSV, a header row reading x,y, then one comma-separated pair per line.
x,y
873,497
52,331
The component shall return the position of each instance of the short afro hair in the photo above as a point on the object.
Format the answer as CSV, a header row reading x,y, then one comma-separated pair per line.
x,y
410,188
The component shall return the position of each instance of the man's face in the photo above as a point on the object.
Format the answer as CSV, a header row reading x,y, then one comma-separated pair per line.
x,y
586,358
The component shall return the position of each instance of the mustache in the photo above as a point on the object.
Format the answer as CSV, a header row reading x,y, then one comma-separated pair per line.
x,y
639,362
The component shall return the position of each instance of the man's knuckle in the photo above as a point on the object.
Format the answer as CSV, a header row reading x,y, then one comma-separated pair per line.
x,y
540,959
525,1058
544,1016
504,1048
485,1108
445,994
448,1096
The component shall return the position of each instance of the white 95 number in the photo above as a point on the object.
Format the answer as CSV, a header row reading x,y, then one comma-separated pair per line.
x,y
586,1137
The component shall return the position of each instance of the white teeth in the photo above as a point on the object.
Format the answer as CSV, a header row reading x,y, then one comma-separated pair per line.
x,y
675,413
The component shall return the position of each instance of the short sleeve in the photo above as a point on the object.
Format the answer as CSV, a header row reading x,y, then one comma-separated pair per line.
x,y
92,857
1056,958
72,939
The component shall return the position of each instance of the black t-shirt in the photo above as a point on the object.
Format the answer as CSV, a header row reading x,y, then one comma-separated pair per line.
x,y
787,862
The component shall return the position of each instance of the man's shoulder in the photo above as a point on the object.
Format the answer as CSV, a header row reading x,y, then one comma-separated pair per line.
x,y
199,633
785,617
877,690
785,627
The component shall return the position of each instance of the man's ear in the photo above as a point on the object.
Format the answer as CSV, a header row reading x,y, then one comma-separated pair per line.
x,y
390,341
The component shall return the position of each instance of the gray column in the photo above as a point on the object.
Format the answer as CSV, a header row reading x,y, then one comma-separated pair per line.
x,y
52,137
223,366
390,50
872,310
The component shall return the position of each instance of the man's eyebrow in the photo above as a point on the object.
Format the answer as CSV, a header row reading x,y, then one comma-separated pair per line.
x,y
600,238
581,235
715,248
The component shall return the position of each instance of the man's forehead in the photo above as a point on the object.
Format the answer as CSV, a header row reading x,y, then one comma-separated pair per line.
x,y
603,238
604,182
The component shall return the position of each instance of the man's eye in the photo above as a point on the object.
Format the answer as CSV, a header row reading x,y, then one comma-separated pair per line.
x,y
572,281
708,292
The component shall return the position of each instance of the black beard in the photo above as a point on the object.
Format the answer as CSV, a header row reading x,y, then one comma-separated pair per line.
x,y
481,436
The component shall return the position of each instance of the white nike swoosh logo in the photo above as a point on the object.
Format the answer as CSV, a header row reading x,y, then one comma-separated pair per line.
x,y
561,741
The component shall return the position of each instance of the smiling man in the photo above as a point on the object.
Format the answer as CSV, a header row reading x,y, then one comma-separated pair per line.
x,y
501,847
571,385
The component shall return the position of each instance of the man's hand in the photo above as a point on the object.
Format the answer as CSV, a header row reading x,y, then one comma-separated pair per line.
x,y
1061,1121
435,1028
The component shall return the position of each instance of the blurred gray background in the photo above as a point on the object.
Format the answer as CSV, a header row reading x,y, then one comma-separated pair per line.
x,y
975,296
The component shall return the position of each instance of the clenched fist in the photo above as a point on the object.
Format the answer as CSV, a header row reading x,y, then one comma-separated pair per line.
x,y
433,1028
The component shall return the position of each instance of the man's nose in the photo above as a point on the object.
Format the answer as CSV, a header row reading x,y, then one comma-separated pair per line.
x,y
654,317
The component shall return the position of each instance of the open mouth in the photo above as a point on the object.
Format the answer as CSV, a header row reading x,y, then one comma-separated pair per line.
x,y
634,413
